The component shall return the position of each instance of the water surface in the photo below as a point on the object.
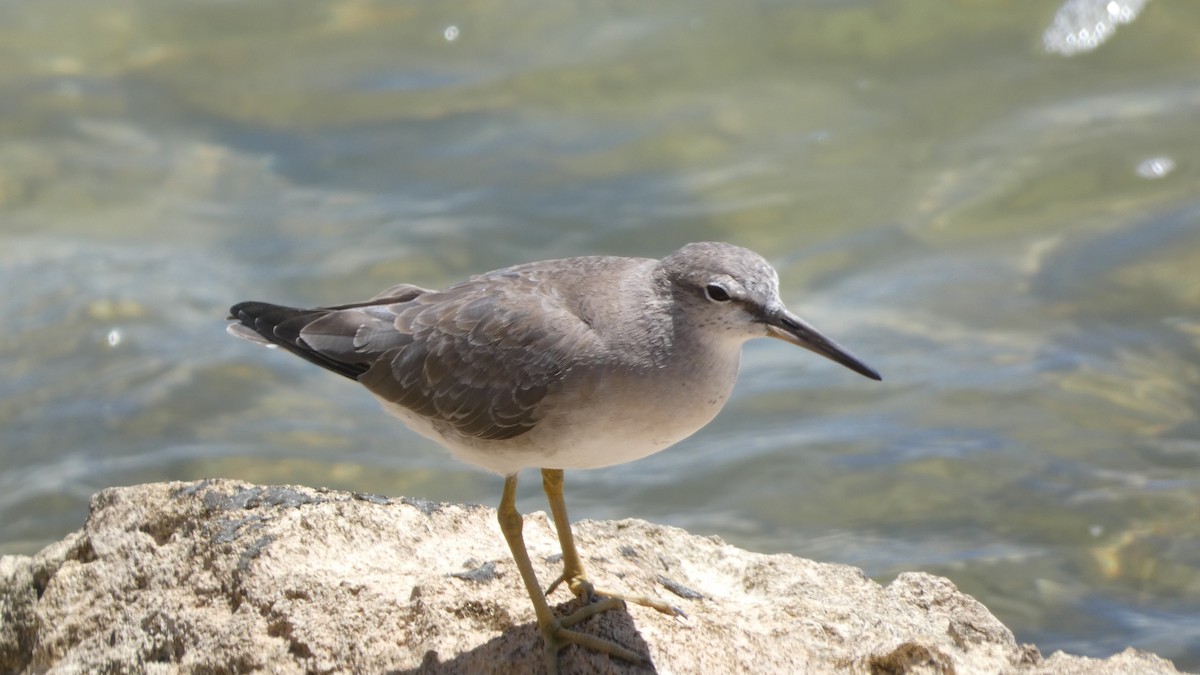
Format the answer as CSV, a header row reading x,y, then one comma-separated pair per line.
x,y
1010,236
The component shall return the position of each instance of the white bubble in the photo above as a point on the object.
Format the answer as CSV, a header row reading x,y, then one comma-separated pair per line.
x,y
1124,13
114,337
451,33
1156,167
1082,25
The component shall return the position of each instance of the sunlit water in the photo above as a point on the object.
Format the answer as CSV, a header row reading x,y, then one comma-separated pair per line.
x,y
1011,237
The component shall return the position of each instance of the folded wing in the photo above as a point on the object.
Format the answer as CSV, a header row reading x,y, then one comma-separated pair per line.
x,y
422,350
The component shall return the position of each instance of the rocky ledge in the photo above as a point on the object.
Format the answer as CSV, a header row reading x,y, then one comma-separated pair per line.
x,y
228,577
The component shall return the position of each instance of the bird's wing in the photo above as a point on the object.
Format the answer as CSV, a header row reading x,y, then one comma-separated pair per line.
x,y
478,357
279,326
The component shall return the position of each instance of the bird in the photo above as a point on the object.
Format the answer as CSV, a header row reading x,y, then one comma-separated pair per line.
x,y
573,363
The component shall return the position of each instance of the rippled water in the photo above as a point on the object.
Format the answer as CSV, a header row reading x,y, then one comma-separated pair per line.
x,y
1011,236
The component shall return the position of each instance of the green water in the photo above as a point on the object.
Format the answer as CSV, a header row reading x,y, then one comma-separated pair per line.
x,y
1011,237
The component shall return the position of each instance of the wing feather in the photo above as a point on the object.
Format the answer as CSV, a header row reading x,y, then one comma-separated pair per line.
x,y
473,358
478,358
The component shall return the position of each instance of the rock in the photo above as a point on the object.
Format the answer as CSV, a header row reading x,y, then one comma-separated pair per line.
x,y
222,576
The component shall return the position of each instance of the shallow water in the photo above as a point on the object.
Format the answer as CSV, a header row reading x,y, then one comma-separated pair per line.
x,y
1010,236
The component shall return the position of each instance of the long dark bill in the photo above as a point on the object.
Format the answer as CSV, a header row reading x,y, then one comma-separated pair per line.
x,y
788,327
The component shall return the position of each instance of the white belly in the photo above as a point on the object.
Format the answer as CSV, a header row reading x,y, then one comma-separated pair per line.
x,y
612,420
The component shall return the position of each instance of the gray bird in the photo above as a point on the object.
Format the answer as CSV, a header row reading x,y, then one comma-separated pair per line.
x,y
576,363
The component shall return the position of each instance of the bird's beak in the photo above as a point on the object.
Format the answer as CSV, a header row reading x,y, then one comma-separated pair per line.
x,y
788,327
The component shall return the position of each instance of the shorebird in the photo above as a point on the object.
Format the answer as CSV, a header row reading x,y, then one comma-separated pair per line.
x,y
576,363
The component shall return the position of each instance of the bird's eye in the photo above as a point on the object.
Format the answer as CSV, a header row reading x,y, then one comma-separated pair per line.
x,y
716,293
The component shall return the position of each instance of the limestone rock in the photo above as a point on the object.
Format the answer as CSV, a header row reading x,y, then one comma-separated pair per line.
x,y
223,577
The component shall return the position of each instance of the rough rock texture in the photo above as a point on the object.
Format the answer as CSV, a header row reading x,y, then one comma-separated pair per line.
x,y
223,576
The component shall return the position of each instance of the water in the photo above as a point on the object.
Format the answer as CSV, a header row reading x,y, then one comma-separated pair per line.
x,y
1010,236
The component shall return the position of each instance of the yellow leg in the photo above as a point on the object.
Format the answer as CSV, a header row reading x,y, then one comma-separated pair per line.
x,y
573,574
554,632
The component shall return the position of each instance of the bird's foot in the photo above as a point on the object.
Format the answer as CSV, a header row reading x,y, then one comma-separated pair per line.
x,y
557,635
583,589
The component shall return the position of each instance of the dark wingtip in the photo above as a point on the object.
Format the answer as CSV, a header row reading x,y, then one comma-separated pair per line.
x,y
280,325
235,312
252,309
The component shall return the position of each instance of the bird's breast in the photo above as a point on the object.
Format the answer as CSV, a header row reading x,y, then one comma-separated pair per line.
x,y
616,416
